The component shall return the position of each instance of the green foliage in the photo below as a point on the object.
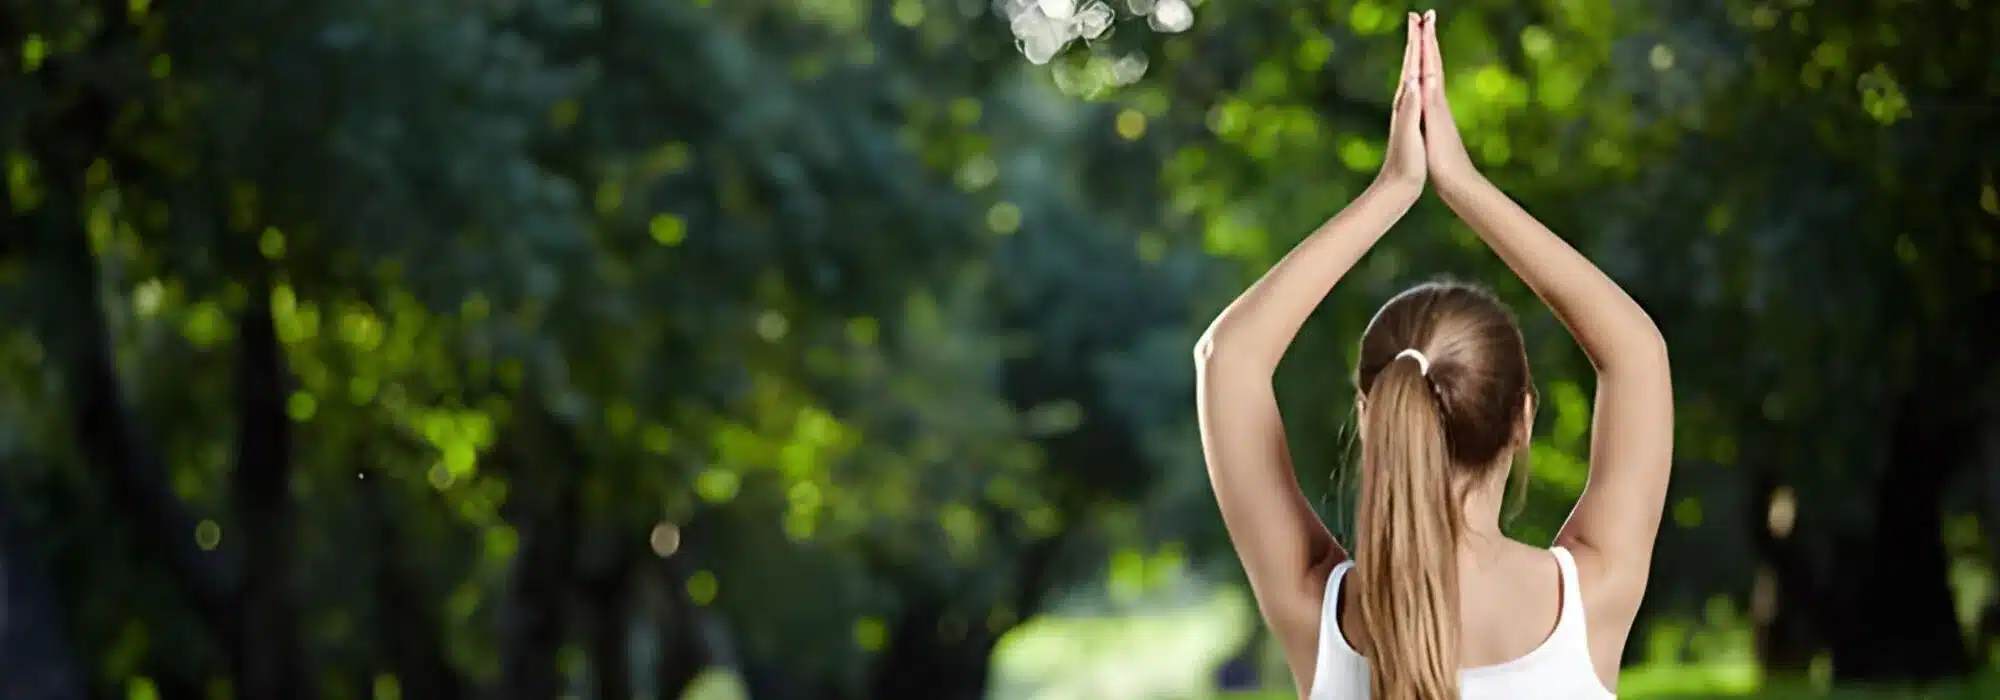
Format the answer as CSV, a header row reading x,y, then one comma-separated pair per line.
x,y
800,332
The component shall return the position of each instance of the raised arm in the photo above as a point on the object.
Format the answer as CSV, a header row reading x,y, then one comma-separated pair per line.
x,y
1631,435
1285,549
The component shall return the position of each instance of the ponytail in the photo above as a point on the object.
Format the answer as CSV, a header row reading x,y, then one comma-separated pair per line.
x,y
1406,539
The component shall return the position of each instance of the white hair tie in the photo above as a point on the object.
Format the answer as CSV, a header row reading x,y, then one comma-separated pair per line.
x,y
1423,363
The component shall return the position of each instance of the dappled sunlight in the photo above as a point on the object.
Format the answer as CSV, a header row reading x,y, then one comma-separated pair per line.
x,y
716,684
1162,652
1043,28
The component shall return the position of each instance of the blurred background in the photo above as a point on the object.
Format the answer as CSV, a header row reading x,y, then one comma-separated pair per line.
x,y
840,349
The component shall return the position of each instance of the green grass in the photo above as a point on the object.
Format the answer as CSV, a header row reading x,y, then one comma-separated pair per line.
x,y
1164,654
1985,688
1173,653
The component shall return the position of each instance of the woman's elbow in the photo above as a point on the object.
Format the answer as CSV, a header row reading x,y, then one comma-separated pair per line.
x,y
1204,349
1654,349
1653,343
1644,355
1214,351
1218,356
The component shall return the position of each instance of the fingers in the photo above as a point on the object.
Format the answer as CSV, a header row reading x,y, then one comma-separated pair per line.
x,y
1409,79
1432,63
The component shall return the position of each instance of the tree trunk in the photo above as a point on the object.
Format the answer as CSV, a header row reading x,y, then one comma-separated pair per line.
x,y
934,653
1787,596
531,623
415,634
547,518
1907,562
268,665
1935,434
683,653
691,639
608,596
37,661
941,648
71,322
107,435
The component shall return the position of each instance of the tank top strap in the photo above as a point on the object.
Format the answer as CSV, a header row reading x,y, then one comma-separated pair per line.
x,y
1561,664
1329,609
1331,641
1333,580
1572,589
1336,665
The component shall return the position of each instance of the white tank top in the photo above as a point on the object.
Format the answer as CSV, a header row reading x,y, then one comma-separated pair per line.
x,y
1559,669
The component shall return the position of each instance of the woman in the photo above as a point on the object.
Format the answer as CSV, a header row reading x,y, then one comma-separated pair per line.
x,y
1437,603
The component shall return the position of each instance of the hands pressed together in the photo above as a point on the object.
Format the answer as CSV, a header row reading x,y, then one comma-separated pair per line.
x,y
1423,140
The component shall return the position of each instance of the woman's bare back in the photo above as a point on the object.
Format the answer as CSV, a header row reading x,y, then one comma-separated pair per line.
x,y
1510,598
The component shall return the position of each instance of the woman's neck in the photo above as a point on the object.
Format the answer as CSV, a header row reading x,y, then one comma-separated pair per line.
x,y
1484,502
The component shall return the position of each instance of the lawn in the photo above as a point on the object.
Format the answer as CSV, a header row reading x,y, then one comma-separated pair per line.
x,y
1171,653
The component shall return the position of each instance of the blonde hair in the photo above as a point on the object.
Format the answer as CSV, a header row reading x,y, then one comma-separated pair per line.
x,y
1444,375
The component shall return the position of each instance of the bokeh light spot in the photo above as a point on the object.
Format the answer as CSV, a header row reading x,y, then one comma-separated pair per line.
x,y
208,535
702,588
